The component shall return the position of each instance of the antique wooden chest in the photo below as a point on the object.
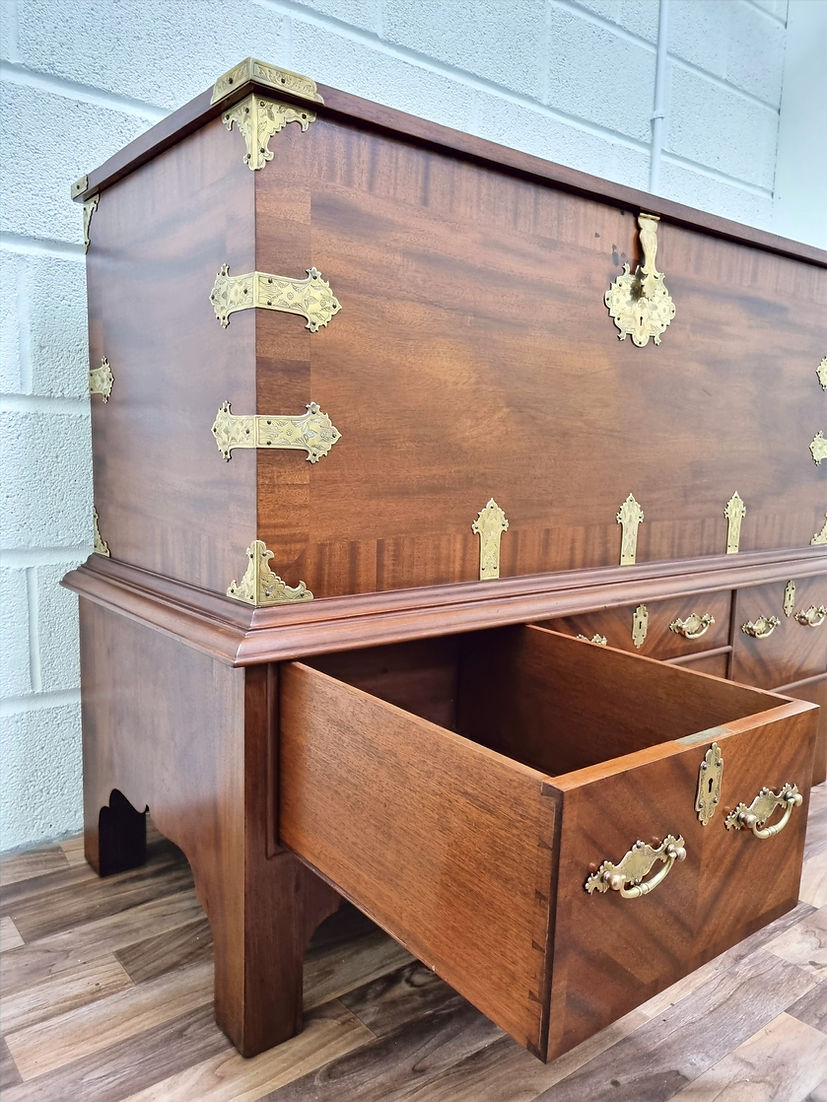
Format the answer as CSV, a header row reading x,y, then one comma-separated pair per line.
x,y
418,586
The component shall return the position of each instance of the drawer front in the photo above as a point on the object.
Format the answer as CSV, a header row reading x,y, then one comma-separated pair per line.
x,y
617,625
784,652
713,662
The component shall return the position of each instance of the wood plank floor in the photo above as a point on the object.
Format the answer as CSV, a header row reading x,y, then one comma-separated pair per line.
x,y
107,985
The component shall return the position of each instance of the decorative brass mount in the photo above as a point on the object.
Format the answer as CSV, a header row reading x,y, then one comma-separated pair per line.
x,y
710,775
821,371
734,512
694,626
260,586
640,625
281,80
490,524
89,208
818,448
639,304
630,517
762,628
634,866
812,617
599,640
258,119
79,186
789,598
100,545
820,537
101,379
765,803
312,432
311,298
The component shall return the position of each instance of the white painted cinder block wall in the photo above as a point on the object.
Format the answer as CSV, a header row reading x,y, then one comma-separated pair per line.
x,y
574,82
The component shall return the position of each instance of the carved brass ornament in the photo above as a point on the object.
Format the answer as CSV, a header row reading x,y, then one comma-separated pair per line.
x,y
100,545
280,79
630,517
812,617
311,298
312,432
789,598
762,628
101,379
818,448
821,371
600,640
821,536
762,807
710,775
89,208
260,586
639,304
640,625
258,119
79,186
694,626
735,512
634,866
490,524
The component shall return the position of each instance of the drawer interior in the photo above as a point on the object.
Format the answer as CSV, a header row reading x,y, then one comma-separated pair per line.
x,y
551,702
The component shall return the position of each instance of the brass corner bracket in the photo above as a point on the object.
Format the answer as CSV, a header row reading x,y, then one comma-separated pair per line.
x,y
101,380
89,208
312,432
77,187
734,512
821,372
281,80
101,547
258,119
260,586
820,537
639,303
629,517
818,448
310,298
490,524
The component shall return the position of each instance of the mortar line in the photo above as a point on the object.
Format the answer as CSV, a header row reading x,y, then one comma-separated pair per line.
x,y
35,671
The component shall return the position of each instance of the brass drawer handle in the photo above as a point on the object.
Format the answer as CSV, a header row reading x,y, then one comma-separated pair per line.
x,y
812,617
765,803
634,866
762,628
694,626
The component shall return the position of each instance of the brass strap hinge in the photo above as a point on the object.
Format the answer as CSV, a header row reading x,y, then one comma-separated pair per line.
x,y
258,119
312,432
311,298
260,586
280,80
101,379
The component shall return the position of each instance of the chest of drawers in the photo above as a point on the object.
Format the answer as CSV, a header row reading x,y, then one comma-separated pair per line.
x,y
368,456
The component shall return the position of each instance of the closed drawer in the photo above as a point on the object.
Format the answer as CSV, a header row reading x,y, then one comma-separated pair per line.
x,y
784,648
700,623
471,840
814,689
715,662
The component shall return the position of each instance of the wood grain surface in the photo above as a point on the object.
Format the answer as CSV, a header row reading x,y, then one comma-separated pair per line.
x,y
749,1024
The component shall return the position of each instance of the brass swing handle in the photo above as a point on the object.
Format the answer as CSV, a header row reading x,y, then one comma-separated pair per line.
x,y
765,803
694,626
812,617
761,628
634,866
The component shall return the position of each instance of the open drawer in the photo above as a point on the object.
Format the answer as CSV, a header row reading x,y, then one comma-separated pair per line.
x,y
462,791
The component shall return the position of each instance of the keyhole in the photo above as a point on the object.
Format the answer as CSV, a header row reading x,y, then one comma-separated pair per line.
x,y
710,785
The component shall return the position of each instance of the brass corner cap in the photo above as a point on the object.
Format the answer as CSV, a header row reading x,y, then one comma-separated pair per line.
x,y
78,187
280,80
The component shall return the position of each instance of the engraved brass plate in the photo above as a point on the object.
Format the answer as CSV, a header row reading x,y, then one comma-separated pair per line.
x,y
101,379
818,448
89,208
735,512
630,517
79,186
272,76
258,119
639,303
709,784
821,371
789,598
490,524
762,628
640,625
260,586
100,545
312,432
812,617
634,866
311,298
762,807
600,640
694,626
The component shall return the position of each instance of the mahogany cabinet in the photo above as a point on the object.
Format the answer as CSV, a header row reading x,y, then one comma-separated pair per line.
x,y
368,457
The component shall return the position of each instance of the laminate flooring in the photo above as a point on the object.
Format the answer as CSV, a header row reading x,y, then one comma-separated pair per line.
x,y
107,996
